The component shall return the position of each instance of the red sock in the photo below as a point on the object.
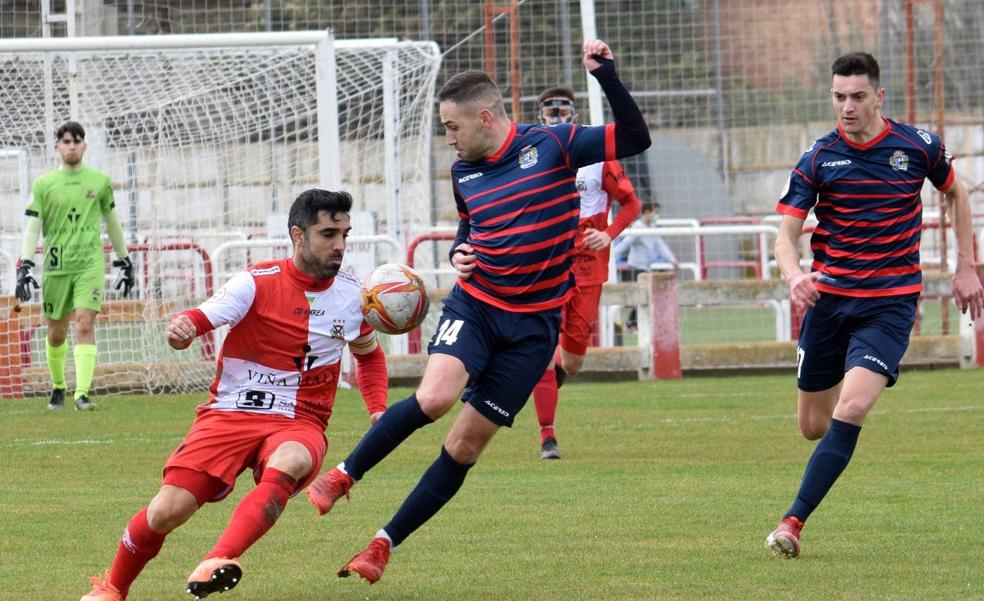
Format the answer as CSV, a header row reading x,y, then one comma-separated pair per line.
x,y
545,400
255,514
139,545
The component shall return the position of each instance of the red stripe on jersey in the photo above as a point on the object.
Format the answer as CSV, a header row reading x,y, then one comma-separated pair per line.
x,y
610,142
877,181
792,211
516,270
803,175
481,295
865,293
853,210
843,254
564,182
885,196
526,228
869,273
516,182
884,223
523,248
875,240
537,207
517,290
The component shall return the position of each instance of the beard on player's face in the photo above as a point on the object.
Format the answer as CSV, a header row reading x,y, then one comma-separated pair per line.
x,y
321,267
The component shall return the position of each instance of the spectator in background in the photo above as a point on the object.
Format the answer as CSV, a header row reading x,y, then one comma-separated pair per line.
x,y
636,253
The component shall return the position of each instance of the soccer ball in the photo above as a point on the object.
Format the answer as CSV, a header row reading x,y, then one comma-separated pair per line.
x,y
394,299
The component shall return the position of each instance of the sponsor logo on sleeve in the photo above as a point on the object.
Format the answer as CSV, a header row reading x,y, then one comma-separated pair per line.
x,y
268,271
469,177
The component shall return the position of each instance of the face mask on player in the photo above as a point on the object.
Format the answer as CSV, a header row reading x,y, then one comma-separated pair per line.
x,y
554,111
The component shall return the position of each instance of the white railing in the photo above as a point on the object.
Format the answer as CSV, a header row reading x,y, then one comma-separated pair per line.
x,y
219,276
762,231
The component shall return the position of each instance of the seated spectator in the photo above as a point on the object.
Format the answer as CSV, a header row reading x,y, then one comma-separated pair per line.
x,y
637,253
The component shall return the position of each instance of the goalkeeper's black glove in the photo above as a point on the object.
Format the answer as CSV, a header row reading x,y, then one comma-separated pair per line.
x,y
124,279
25,280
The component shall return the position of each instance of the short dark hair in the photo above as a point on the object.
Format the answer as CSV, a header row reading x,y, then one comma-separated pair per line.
x,y
557,91
70,127
304,211
468,87
857,63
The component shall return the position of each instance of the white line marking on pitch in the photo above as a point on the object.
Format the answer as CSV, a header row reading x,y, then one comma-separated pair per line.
x,y
673,420
47,442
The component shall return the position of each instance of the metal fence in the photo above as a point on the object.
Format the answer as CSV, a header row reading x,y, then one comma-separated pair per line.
x,y
733,90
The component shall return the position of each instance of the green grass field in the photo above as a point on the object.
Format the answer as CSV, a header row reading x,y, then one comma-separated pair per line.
x,y
666,491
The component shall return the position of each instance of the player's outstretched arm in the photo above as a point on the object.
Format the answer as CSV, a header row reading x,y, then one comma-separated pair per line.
x,y
631,131
968,293
372,375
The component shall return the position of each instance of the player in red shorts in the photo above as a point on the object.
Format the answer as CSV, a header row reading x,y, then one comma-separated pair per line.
x,y
597,184
270,401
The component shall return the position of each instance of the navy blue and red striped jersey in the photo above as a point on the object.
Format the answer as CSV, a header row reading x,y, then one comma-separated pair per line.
x,y
866,198
521,206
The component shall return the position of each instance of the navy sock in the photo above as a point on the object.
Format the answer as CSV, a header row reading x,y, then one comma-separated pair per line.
x,y
829,459
439,483
396,424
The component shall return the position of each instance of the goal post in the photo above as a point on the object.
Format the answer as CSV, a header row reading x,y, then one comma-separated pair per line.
x,y
207,140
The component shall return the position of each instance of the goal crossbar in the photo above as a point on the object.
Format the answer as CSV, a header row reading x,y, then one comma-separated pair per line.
x,y
185,41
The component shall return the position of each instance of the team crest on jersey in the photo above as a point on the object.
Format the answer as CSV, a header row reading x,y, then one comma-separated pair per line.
x,y
528,157
90,195
338,329
899,161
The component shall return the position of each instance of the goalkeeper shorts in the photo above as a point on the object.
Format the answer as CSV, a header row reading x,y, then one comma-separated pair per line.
x,y
64,292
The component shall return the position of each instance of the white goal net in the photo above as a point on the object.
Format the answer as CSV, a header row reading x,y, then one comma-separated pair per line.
x,y
207,139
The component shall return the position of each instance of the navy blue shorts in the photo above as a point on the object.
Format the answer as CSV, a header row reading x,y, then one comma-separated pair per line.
x,y
841,332
505,353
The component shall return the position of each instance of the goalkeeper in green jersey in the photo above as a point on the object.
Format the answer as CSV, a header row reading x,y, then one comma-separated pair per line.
x,y
67,206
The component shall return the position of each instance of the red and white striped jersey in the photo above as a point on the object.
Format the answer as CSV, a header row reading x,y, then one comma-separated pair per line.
x,y
598,184
283,352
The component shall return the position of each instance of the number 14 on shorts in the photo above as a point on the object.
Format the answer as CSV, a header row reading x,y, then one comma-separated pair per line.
x,y
448,332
